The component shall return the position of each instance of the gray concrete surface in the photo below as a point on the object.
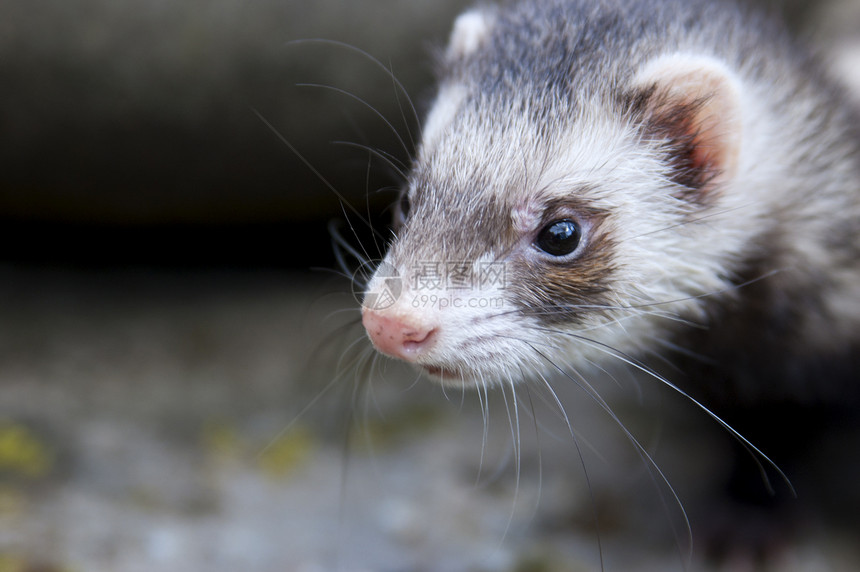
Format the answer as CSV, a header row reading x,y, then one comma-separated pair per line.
x,y
197,422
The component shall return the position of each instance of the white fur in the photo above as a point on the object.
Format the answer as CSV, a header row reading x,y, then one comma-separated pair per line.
x,y
470,30
448,102
846,66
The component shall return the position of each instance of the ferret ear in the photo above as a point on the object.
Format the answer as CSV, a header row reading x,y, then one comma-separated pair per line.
x,y
470,31
692,103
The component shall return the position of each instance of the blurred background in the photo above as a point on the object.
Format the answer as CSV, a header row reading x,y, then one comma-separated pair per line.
x,y
178,380
141,126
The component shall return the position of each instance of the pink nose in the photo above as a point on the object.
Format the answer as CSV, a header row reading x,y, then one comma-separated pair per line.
x,y
396,338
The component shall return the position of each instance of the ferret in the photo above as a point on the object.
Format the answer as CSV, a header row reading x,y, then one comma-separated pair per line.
x,y
640,182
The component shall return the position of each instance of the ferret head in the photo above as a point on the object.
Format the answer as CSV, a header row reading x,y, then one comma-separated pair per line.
x,y
561,208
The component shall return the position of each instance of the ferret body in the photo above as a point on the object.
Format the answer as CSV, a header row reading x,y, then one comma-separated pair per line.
x,y
603,181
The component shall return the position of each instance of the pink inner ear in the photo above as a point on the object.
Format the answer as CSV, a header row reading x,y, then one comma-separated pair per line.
x,y
715,145
694,104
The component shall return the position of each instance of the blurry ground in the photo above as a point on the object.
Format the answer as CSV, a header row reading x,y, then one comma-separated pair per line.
x,y
152,421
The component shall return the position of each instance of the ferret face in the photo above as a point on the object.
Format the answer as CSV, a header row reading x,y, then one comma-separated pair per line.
x,y
553,226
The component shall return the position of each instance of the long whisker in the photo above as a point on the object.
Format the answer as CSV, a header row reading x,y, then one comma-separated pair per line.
x,y
347,448
646,457
364,103
338,378
531,407
754,451
336,332
642,306
314,170
514,421
376,243
389,159
554,403
483,400
400,107
370,58
689,221
654,469
365,260
582,463
340,244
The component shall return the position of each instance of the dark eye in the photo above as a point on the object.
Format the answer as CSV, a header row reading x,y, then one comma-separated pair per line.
x,y
559,238
401,210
